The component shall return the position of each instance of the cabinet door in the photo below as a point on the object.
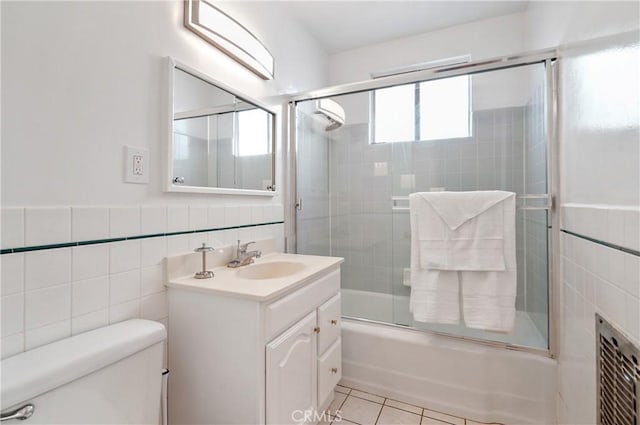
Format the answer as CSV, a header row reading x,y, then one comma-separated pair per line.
x,y
329,372
329,323
291,370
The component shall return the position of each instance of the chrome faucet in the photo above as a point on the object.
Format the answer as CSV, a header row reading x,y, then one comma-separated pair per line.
x,y
243,257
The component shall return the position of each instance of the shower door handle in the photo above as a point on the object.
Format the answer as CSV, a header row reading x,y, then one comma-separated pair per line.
x,y
299,204
20,414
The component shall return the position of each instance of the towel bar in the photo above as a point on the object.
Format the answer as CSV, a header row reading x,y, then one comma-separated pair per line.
x,y
523,206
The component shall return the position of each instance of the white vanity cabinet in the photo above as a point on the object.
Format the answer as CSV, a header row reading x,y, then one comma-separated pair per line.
x,y
254,360
304,363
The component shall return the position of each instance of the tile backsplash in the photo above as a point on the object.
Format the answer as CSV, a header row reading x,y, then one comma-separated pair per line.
x,y
63,274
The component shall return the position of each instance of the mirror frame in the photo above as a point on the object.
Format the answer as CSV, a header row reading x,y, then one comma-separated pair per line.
x,y
168,185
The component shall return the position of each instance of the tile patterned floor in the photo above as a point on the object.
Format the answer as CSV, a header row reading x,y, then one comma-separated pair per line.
x,y
358,407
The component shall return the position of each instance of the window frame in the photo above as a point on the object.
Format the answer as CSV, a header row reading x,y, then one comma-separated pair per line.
x,y
417,130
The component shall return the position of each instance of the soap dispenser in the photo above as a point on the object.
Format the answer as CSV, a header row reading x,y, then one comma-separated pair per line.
x,y
204,273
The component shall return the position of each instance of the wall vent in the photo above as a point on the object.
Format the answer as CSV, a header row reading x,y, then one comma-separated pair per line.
x,y
618,376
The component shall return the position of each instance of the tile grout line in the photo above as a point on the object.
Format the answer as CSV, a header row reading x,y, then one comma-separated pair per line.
x,y
384,403
380,412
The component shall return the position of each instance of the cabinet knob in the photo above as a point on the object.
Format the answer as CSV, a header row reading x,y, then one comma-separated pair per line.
x,y
316,330
334,322
334,370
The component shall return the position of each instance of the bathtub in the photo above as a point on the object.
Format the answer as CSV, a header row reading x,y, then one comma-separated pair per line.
x,y
459,377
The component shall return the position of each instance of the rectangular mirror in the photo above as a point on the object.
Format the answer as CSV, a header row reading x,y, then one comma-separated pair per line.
x,y
220,141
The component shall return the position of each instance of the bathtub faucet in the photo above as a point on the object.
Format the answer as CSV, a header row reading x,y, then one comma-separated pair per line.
x,y
243,257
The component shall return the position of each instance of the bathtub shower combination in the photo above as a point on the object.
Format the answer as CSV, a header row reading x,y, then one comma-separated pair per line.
x,y
464,127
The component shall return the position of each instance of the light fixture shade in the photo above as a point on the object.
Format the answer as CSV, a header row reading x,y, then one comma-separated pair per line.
x,y
228,35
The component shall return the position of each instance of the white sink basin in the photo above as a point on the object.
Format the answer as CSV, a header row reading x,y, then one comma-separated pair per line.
x,y
271,270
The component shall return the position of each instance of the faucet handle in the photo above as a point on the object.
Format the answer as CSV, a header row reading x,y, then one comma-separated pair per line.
x,y
204,248
242,248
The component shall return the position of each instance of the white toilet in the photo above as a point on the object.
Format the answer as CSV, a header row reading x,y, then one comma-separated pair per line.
x,y
111,375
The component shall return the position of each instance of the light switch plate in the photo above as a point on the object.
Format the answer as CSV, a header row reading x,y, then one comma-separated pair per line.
x,y
136,165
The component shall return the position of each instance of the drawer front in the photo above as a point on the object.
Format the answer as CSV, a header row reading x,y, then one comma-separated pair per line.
x,y
329,323
329,371
280,314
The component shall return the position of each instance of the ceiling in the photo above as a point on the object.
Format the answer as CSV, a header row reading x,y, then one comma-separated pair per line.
x,y
346,25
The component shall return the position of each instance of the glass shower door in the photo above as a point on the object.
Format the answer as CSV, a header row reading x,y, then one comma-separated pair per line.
x,y
482,131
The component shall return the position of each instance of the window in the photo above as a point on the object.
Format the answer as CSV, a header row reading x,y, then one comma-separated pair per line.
x,y
430,110
253,132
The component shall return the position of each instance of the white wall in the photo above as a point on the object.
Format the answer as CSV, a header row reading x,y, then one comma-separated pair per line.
x,y
79,81
481,39
82,79
599,174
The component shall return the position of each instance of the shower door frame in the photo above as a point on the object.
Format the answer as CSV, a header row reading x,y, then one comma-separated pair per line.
x,y
548,57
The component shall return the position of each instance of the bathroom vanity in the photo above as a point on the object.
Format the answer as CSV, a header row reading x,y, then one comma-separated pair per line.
x,y
259,344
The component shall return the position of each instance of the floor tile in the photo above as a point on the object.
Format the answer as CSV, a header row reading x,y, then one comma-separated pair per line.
x,y
342,389
443,417
392,416
336,403
367,396
430,421
360,411
403,406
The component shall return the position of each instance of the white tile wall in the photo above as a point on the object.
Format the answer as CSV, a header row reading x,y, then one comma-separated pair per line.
x,y
124,256
54,293
198,217
90,295
599,279
216,217
48,305
153,220
89,223
47,226
12,227
616,225
124,221
177,219
47,268
12,274
89,261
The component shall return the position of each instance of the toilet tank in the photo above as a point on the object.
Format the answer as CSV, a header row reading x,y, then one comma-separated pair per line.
x,y
110,375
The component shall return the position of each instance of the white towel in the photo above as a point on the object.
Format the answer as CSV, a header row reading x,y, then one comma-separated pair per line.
x,y
489,297
461,230
435,294
475,236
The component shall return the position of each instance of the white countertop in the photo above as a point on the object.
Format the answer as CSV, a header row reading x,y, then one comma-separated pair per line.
x,y
227,282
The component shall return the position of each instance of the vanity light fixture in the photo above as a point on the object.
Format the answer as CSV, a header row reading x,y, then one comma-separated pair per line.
x,y
222,31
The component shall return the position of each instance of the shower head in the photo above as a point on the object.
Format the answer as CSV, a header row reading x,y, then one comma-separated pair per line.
x,y
332,113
